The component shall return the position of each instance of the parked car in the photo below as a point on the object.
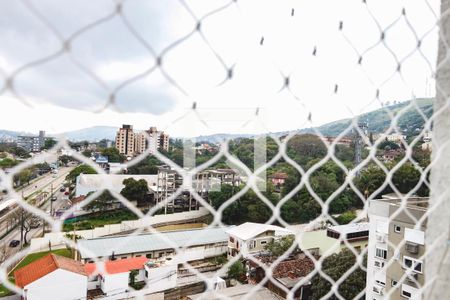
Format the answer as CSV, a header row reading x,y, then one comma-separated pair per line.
x,y
14,243
62,189
66,193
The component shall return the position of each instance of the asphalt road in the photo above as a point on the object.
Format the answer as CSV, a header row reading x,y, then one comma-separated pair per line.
x,y
40,186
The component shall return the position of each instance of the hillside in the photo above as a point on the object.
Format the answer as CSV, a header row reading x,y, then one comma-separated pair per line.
x,y
411,122
92,134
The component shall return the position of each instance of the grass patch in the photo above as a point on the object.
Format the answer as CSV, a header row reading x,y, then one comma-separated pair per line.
x,y
29,259
35,256
99,219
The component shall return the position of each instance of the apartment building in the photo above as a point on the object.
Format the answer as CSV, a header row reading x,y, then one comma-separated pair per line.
x,y
125,140
32,143
131,143
395,264
158,140
140,142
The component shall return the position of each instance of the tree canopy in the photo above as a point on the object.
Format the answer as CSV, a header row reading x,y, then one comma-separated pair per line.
x,y
134,190
85,169
335,266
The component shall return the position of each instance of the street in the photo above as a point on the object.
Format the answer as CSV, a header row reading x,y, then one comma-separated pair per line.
x,y
45,184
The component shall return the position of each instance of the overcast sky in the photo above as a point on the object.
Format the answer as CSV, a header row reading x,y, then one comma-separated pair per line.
x,y
262,40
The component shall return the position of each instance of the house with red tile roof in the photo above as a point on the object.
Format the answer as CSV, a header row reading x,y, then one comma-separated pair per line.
x,y
52,277
113,276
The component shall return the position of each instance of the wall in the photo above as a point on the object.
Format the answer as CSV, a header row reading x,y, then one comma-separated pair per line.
x,y
56,238
114,283
60,285
161,278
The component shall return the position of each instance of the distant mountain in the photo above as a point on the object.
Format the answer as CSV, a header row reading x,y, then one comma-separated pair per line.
x,y
7,135
92,134
217,138
410,122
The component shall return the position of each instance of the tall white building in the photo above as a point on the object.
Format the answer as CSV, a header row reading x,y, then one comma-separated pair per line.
x,y
396,249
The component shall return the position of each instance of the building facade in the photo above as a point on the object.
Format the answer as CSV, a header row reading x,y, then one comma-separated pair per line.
x,y
251,238
125,140
132,143
32,143
395,263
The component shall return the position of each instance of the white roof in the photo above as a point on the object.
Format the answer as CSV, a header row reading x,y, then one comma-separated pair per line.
x,y
350,228
148,242
249,230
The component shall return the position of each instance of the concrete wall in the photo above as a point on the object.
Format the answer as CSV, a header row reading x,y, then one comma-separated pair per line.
x,y
161,278
114,283
58,285
56,238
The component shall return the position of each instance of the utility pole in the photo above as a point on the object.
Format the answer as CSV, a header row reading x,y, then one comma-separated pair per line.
x,y
51,200
358,143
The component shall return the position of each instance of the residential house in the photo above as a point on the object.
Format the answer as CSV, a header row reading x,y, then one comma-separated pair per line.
x,y
113,277
286,275
251,238
333,239
52,277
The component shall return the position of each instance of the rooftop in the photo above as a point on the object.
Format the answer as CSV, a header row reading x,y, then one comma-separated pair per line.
x,y
249,230
412,202
44,266
350,228
102,247
117,266
279,175
237,292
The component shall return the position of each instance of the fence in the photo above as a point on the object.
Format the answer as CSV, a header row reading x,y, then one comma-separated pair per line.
x,y
374,184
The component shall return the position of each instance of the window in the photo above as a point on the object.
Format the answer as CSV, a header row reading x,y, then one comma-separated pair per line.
x,y
381,253
394,282
148,255
160,254
252,244
138,255
263,242
380,282
379,264
231,240
413,264
406,294
397,228
123,257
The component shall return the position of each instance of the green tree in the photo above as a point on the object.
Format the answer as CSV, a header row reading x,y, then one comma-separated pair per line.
x,y
346,217
407,177
370,179
281,246
102,203
64,159
236,271
335,266
134,190
305,147
49,143
113,154
85,169
8,163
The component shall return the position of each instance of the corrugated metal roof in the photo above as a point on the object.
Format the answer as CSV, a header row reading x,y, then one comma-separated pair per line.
x,y
102,247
